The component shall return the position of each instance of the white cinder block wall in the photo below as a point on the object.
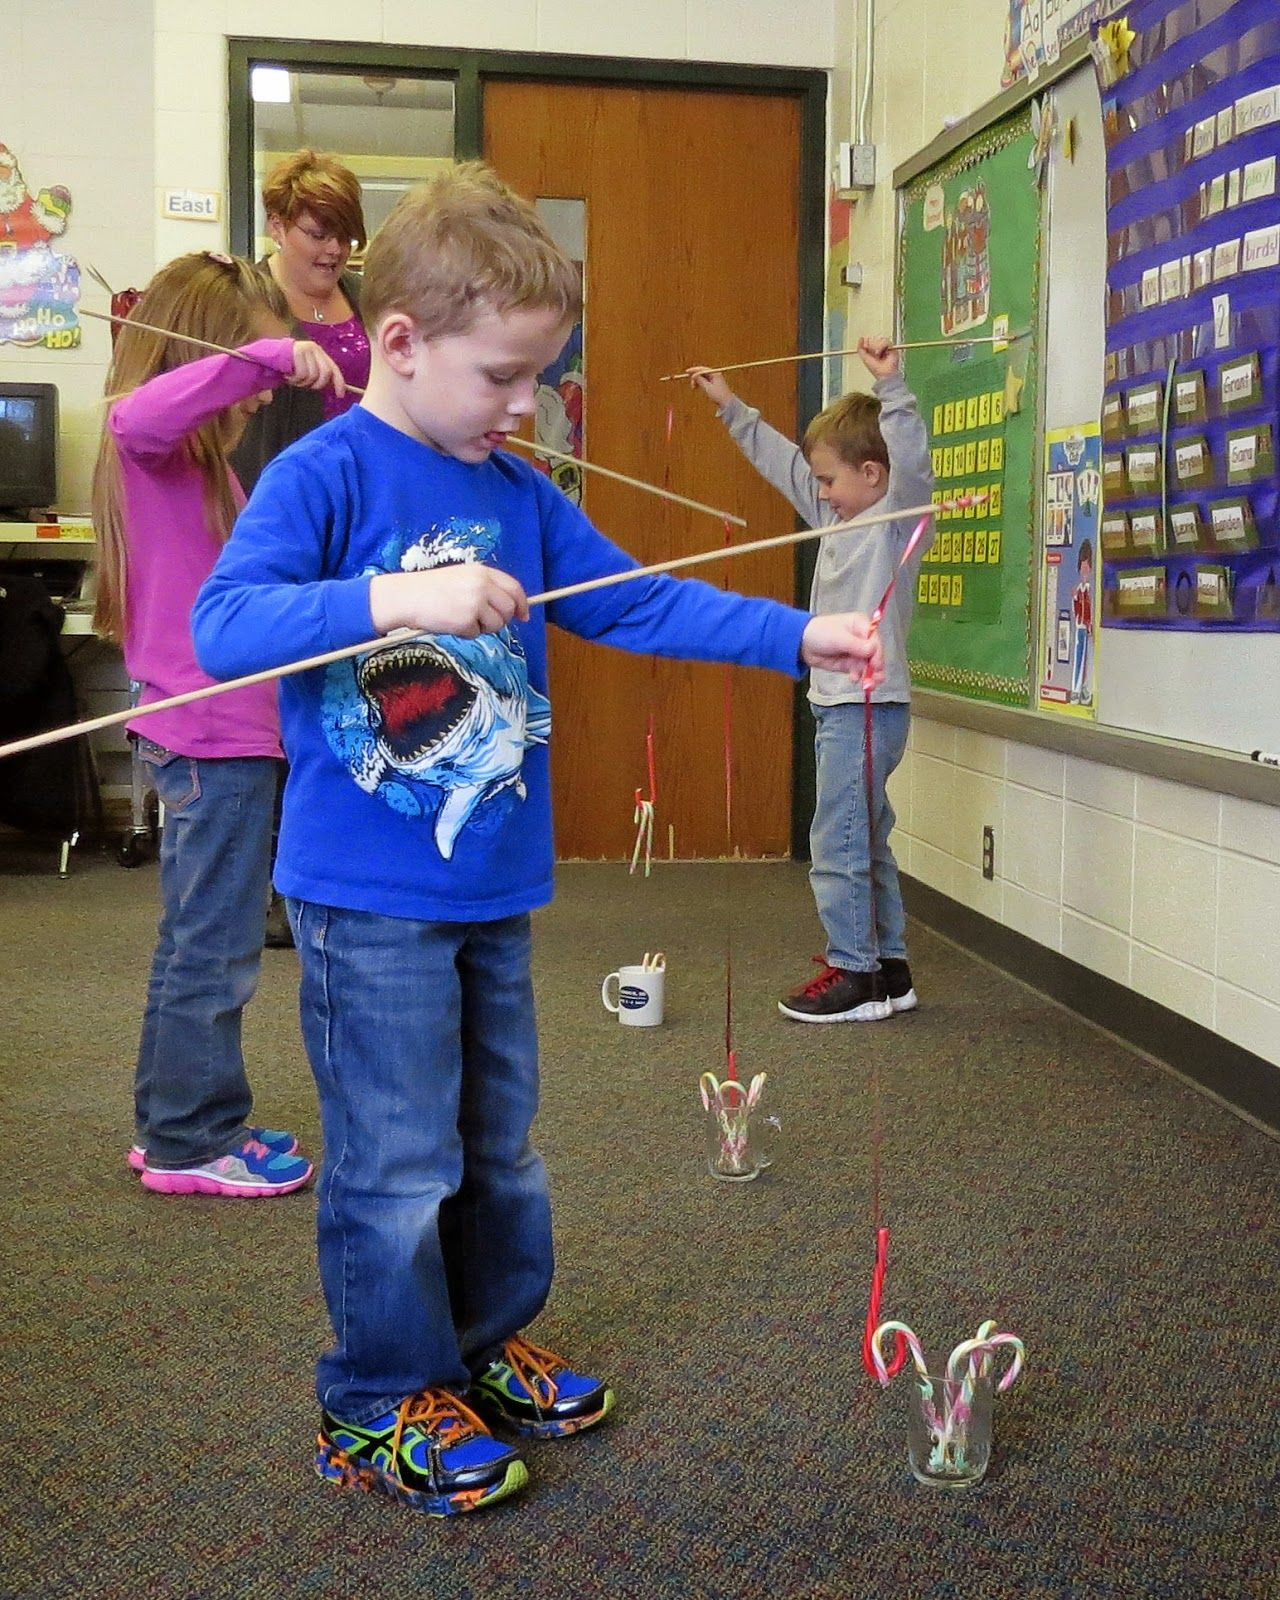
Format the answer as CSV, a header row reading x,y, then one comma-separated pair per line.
x,y
76,110
1170,890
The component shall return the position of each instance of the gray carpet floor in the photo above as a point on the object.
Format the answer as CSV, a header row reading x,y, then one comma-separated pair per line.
x,y
155,1352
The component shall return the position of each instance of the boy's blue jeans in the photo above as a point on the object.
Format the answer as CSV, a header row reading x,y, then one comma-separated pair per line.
x,y
434,1218
843,847
191,1095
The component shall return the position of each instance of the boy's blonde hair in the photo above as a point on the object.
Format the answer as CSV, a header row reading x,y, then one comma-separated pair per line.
x,y
851,427
322,185
460,245
213,297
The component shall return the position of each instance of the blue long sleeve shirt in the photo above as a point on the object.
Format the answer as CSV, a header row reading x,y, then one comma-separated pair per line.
x,y
419,782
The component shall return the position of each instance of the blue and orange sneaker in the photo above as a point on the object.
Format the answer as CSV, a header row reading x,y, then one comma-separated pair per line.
x,y
275,1139
431,1453
535,1392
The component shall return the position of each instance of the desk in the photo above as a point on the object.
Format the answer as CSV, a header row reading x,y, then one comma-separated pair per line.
x,y
69,540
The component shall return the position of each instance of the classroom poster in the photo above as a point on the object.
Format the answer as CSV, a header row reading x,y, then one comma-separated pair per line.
x,y
1070,509
560,419
1037,31
969,289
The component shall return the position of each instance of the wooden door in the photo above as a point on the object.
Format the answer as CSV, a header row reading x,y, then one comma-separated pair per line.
x,y
692,211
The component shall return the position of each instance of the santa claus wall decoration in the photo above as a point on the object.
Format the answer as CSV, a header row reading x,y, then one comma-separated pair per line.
x,y
38,287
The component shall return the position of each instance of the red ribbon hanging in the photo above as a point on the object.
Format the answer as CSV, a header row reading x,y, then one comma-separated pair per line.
x,y
881,1266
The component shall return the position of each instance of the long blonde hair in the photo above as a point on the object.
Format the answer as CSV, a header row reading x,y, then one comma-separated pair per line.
x,y
209,296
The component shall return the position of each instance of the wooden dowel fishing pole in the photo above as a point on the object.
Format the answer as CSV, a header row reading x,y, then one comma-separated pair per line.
x,y
526,444
853,350
719,552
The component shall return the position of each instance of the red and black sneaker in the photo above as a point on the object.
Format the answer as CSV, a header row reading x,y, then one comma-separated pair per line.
x,y
838,996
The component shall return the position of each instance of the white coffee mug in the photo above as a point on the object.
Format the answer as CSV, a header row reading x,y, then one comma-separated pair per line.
x,y
640,995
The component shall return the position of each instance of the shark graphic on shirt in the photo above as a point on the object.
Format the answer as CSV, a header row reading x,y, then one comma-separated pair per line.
x,y
437,726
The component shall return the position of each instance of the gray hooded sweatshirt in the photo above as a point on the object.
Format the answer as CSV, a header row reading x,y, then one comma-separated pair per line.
x,y
854,569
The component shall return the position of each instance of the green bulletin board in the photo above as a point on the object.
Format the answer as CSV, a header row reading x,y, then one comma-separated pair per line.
x,y
969,263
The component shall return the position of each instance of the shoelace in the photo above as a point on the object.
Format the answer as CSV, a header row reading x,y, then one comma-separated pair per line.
x,y
434,1410
532,1365
823,981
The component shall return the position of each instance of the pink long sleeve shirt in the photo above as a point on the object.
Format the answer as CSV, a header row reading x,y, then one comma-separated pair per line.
x,y
172,549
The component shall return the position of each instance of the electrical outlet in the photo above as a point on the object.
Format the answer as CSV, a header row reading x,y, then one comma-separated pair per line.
x,y
989,853
856,166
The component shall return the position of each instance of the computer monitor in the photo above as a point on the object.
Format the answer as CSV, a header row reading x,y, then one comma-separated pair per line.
x,y
28,447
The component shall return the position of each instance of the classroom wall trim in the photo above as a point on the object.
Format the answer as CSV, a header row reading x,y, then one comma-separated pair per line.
x,y
995,110
1201,767
1239,1080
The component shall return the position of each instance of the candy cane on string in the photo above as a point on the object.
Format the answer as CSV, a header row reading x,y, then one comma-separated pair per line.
x,y
645,812
525,444
646,809
881,1265
730,1047
208,691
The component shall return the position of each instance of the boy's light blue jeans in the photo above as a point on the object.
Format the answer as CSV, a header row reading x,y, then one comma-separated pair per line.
x,y
844,849
191,1095
434,1218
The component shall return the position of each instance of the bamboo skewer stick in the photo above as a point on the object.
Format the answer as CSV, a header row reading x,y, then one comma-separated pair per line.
x,y
853,350
401,635
636,483
536,449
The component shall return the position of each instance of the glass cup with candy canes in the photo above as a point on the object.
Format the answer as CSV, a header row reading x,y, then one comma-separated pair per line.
x,y
741,1139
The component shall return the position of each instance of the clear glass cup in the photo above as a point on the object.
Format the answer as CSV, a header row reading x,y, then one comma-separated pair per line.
x,y
949,1429
741,1138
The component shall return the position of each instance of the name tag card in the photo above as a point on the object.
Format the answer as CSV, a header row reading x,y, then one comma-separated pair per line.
x,y
1250,454
1192,462
1185,526
1146,532
1142,591
1213,592
1232,523
1240,383
1115,533
1143,407
1143,467
1188,397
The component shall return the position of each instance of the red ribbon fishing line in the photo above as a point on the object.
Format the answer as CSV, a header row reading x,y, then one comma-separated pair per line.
x,y
882,1233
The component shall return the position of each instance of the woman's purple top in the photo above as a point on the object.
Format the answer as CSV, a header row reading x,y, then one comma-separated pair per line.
x,y
347,344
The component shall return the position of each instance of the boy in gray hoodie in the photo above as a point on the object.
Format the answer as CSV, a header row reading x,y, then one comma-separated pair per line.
x,y
862,451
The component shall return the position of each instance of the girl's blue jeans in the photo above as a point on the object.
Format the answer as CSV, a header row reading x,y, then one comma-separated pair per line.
x,y
433,1218
846,850
191,1095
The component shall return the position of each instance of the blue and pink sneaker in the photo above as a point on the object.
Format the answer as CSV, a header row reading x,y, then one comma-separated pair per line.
x,y
536,1393
252,1171
284,1144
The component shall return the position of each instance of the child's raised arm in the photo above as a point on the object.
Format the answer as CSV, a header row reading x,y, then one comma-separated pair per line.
x,y
155,418
712,384
879,356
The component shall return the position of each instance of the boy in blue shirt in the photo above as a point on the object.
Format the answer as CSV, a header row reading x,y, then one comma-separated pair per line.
x,y
416,835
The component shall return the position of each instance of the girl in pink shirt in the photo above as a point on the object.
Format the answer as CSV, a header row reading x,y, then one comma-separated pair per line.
x,y
164,500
